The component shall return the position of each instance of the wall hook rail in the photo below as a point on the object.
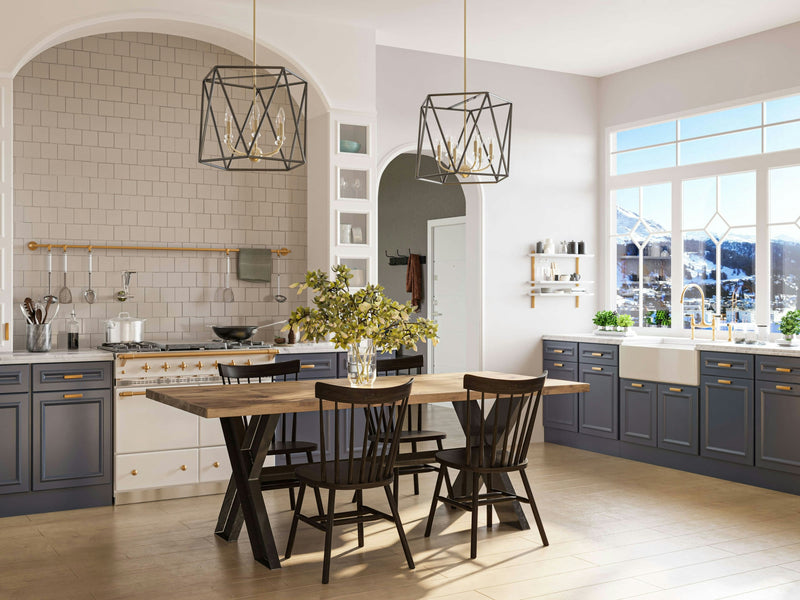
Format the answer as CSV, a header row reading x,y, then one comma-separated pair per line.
x,y
36,245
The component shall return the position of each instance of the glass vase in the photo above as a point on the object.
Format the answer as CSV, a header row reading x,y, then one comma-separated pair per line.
x,y
361,363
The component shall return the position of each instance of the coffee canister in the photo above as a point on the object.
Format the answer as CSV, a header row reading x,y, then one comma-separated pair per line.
x,y
581,247
539,247
572,247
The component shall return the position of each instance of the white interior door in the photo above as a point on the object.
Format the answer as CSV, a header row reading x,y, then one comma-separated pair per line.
x,y
447,290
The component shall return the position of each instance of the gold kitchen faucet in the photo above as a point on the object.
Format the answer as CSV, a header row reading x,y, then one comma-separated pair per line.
x,y
703,325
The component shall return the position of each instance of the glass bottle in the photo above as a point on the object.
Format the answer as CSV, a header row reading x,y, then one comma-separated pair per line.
x,y
73,331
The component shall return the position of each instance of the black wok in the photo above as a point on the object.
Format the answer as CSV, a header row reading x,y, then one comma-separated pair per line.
x,y
239,333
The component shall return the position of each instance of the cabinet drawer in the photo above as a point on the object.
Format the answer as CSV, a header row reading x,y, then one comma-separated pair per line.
x,y
143,425
778,368
15,379
214,464
211,432
726,364
71,376
598,354
560,351
318,365
156,469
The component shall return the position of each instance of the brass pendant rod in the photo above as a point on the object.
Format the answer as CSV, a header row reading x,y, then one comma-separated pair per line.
x,y
465,75
36,245
254,55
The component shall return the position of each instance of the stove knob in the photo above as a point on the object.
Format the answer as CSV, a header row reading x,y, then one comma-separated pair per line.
x,y
146,367
183,366
165,366
199,365
232,363
249,362
215,365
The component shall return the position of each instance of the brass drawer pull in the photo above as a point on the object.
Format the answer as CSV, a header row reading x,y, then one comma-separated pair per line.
x,y
637,385
597,354
69,396
76,376
216,464
137,393
134,472
725,381
725,365
597,368
308,366
675,389
558,352
183,467
782,370
7,331
558,364
784,388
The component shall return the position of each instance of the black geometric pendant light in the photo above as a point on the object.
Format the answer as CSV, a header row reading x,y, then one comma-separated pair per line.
x,y
468,134
236,131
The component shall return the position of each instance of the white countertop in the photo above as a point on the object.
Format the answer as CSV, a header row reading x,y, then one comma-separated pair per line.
x,y
305,348
55,356
771,348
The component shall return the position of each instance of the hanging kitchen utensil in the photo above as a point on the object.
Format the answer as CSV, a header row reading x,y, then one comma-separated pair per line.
x,y
50,274
64,294
90,294
279,298
227,293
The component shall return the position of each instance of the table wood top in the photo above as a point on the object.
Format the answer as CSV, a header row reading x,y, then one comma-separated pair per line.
x,y
216,401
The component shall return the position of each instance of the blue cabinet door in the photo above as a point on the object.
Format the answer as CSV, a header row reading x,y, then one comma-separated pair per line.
x,y
15,410
678,418
777,419
726,419
598,409
561,411
638,421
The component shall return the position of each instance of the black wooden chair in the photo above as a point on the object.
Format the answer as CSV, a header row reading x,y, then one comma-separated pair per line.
x,y
409,365
360,461
285,443
498,443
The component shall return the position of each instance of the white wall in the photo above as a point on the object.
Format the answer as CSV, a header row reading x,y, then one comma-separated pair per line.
x,y
551,191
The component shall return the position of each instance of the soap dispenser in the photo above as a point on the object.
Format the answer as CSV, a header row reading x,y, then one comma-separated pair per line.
x,y
73,331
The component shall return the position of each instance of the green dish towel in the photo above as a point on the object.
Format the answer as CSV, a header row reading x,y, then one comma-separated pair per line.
x,y
255,264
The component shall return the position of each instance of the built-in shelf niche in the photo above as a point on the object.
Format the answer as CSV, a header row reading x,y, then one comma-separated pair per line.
x,y
353,228
359,268
353,139
353,184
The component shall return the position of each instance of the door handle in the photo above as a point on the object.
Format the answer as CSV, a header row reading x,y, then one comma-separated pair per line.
x,y
597,354
672,389
308,366
724,381
637,385
782,370
783,388
558,352
597,368
558,364
724,365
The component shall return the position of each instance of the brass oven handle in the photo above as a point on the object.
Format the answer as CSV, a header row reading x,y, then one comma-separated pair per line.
x,y
137,393
68,396
637,385
76,376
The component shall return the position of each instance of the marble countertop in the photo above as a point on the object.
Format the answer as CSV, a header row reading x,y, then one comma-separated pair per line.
x,y
308,348
55,356
770,348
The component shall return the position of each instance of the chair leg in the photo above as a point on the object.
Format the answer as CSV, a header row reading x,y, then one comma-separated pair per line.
x,y
473,542
434,501
295,519
396,486
359,506
317,495
326,563
536,516
447,481
399,524
489,506
416,476
291,489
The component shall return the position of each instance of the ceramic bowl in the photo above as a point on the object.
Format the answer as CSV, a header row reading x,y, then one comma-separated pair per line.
x,y
349,146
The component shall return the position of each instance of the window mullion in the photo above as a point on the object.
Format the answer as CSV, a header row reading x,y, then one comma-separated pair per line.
x,y
676,262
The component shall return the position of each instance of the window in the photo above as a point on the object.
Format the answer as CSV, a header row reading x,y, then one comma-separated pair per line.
x,y
784,237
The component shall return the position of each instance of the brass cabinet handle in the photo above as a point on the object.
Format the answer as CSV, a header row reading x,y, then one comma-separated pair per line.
x,y
76,376
725,365
597,354
183,467
597,368
134,472
782,370
137,393
558,352
67,396
675,389
724,381
785,388
308,366
216,464
7,331
637,385
558,364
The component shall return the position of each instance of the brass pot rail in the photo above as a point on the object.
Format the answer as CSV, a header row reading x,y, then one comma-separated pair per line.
x,y
36,245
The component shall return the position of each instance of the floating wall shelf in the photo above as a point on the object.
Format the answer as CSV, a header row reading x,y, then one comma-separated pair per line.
x,y
534,282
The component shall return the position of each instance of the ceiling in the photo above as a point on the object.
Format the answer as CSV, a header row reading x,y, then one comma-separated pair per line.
x,y
586,37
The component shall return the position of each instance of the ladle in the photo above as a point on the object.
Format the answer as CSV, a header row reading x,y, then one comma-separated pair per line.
x,y
49,295
280,298
64,294
90,294
227,293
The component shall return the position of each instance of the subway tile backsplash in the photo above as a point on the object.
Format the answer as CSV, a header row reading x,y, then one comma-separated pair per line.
x,y
105,152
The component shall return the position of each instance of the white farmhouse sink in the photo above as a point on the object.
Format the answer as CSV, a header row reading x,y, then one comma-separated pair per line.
x,y
670,360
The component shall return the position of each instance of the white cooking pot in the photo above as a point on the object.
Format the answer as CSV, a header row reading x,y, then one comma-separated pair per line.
x,y
123,328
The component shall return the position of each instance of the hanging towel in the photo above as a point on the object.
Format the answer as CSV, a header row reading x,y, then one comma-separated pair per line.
x,y
255,264
414,280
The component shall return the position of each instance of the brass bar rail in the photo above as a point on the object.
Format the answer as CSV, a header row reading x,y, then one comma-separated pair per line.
x,y
36,245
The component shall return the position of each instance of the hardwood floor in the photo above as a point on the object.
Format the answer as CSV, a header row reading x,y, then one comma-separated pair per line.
x,y
617,529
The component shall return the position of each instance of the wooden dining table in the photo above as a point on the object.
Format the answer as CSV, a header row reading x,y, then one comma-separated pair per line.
x,y
249,415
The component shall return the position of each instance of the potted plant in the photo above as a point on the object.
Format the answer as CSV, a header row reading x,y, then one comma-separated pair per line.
x,y
790,325
364,322
623,322
606,320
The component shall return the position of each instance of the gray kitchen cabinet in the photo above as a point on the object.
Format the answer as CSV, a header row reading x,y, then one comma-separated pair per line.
x,y
314,365
14,443
561,411
777,418
678,418
726,419
598,409
638,410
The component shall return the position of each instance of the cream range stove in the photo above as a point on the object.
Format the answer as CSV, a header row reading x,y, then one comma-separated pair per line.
x,y
161,452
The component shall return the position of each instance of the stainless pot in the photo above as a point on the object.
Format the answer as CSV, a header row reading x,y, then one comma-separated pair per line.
x,y
123,328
